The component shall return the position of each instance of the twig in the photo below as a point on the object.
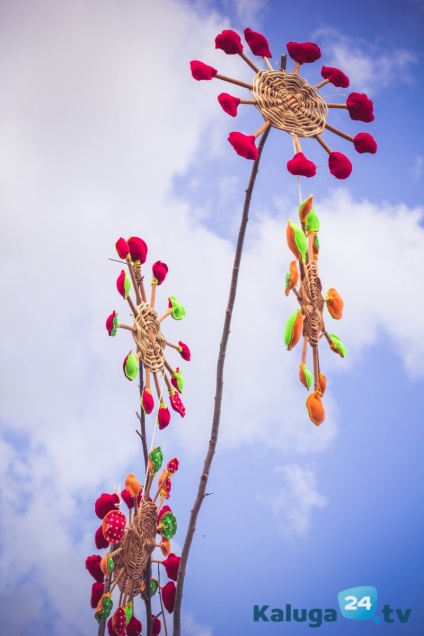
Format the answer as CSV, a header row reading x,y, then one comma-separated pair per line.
x,y
201,493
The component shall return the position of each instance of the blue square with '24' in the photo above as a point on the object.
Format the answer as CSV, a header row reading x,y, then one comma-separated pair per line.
x,y
358,603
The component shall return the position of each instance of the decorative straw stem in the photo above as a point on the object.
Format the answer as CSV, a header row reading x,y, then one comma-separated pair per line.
x,y
311,238
153,296
268,63
316,368
260,130
141,416
249,62
304,348
233,81
201,492
321,141
296,68
169,368
323,83
147,377
116,581
248,101
157,385
168,383
134,282
169,344
167,312
133,307
336,105
297,143
129,327
339,132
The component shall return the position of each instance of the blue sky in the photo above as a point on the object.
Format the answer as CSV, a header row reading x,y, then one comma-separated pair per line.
x,y
106,134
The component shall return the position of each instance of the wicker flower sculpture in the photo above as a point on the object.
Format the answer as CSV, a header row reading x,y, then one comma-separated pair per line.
x,y
131,539
288,102
146,331
308,320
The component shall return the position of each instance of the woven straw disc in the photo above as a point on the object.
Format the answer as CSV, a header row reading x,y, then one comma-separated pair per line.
x,y
137,547
312,303
290,103
149,338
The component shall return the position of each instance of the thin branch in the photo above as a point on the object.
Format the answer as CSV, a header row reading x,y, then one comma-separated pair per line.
x,y
201,493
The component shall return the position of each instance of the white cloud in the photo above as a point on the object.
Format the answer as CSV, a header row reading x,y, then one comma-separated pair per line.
x,y
191,627
295,499
369,68
418,167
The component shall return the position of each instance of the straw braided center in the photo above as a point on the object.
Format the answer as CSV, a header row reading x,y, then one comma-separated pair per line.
x,y
289,103
148,338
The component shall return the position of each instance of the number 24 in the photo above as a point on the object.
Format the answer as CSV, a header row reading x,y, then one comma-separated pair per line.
x,y
353,603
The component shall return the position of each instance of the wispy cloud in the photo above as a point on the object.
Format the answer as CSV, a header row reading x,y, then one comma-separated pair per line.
x,y
368,67
417,170
295,498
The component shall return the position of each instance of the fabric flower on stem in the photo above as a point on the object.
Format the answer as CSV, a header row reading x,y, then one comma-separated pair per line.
x,y
363,142
201,71
258,43
112,324
229,103
138,249
244,145
160,271
301,166
105,503
229,42
171,565
92,563
164,416
303,52
123,249
168,596
147,401
176,402
335,76
360,107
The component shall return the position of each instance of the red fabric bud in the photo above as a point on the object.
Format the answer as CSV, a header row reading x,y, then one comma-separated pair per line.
x,y
229,103
258,43
147,401
162,511
229,42
160,271
110,630
113,526
244,145
303,52
339,165
177,403
97,590
184,351
301,166
120,283
138,249
105,503
129,499
122,248
171,565
364,142
172,465
92,563
109,323
164,417
202,71
99,539
335,76
134,627
156,626
168,596
360,107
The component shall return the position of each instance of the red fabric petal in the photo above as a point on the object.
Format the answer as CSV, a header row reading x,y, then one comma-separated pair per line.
x,y
122,248
172,465
229,103
160,271
99,539
129,499
113,526
147,401
168,596
97,590
105,503
202,71
164,417
92,563
301,166
120,283
184,351
244,145
177,403
134,627
258,43
229,41
109,322
138,249
364,142
171,564
360,107
339,165
156,626
303,52
335,76
162,511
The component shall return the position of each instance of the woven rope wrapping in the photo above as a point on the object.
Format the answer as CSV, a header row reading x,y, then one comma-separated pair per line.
x,y
149,338
290,103
312,304
137,547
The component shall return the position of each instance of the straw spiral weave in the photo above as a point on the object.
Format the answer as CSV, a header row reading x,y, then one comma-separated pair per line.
x,y
289,103
149,338
312,303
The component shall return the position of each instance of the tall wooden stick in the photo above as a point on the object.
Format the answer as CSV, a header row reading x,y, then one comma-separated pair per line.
x,y
201,493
